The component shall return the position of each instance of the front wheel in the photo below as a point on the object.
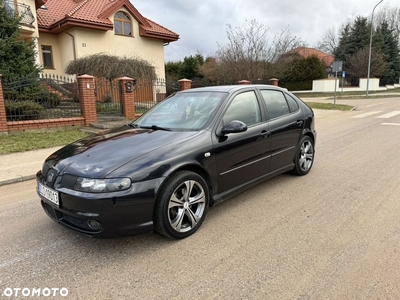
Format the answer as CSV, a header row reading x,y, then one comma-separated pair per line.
x,y
304,158
182,205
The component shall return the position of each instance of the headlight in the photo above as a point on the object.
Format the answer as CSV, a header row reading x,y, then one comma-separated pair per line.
x,y
102,185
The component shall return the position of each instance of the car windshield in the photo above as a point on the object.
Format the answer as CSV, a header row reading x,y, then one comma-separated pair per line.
x,y
182,111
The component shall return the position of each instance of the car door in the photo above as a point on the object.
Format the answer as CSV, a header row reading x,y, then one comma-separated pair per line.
x,y
285,123
242,157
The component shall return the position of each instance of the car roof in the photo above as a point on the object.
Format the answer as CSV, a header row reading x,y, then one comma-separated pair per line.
x,y
233,88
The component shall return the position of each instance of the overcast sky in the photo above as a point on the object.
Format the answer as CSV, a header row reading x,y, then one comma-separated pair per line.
x,y
202,24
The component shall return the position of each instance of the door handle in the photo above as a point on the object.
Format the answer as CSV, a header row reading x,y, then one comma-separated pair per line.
x,y
265,133
298,124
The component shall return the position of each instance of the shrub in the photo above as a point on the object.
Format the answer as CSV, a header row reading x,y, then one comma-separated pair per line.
x,y
108,99
43,97
48,99
22,110
111,108
297,86
108,66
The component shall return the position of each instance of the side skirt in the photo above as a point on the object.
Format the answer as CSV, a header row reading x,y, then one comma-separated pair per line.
x,y
218,198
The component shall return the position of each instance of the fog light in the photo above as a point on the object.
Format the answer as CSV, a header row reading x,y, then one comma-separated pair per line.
x,y
93,224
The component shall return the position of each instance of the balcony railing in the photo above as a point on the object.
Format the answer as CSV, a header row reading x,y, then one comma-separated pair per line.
x,y
22,10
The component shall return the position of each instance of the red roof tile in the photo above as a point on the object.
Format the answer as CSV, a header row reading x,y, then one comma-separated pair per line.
x,y
305,52
60,15
155,28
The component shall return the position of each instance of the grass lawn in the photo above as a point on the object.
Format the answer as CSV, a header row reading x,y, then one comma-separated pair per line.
x,y
351,95
330,106
32,140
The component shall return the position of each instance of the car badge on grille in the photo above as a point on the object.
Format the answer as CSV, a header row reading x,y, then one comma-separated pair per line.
x,y
50,177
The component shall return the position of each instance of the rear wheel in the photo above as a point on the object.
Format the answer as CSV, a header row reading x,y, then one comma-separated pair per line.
x,y
304,158
182,205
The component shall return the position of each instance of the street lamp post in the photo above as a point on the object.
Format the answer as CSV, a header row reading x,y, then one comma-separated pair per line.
x,y
370,45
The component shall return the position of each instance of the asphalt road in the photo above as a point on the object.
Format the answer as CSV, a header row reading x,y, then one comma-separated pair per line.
x,y
333,234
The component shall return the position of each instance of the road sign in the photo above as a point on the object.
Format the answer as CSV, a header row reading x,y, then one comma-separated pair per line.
x,y
337,66
344,74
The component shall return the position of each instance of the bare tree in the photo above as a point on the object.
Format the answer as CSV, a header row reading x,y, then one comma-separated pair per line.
x,y
283,42
359,65
249,53
392,16
246,51
329,41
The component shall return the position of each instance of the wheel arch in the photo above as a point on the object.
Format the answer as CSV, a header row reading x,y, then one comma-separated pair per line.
x,y
191,168
308,133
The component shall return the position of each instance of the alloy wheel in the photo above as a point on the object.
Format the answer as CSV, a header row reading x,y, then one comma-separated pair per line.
x,y
186,206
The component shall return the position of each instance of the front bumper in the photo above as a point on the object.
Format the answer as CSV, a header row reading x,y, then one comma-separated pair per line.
x,y
104,214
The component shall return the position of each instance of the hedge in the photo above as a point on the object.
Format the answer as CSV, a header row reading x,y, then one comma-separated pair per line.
x,y
297,86
22,110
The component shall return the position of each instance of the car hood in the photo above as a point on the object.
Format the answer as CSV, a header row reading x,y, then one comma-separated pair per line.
x,y
101,154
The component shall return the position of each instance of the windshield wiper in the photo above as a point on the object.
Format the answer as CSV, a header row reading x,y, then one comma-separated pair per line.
x,y
155,127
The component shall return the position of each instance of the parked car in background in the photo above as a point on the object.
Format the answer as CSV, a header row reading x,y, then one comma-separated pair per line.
x,y
188,153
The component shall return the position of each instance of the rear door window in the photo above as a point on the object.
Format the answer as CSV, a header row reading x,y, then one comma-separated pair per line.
x,y
276,103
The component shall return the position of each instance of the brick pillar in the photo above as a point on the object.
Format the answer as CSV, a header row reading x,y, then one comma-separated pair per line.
x,y
243,82
3,116
274,81
87,98
185,84
127,97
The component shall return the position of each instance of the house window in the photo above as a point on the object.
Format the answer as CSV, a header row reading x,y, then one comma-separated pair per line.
x,y
122,23
47,55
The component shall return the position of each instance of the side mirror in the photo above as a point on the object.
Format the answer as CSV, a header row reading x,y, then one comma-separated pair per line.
x,y
234,126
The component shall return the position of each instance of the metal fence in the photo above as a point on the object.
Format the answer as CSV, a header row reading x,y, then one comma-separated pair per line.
x,y
40,97
108,97
146,93
149,92
45,96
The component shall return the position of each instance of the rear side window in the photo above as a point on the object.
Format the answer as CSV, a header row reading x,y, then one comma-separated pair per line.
x,y
276,103
293,105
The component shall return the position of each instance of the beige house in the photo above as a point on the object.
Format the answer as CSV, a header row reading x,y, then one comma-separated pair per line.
x,y
26,9
69,29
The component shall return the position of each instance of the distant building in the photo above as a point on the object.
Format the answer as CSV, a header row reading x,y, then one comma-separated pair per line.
x,y
304,52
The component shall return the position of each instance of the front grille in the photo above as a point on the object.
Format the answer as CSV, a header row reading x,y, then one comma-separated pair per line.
x,y
68,181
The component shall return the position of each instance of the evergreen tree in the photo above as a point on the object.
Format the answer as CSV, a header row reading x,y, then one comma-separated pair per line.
x,y
172,70
190,66
304,69
353,38
17,57
359,35
386,41
341,52
353,49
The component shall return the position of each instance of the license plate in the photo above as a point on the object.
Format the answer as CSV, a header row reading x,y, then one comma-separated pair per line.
x,y
49,194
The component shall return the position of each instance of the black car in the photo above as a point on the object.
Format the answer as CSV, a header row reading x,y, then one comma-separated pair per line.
x,y
188,153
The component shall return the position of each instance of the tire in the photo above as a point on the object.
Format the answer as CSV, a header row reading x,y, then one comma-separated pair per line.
x,y
182,205
304,157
